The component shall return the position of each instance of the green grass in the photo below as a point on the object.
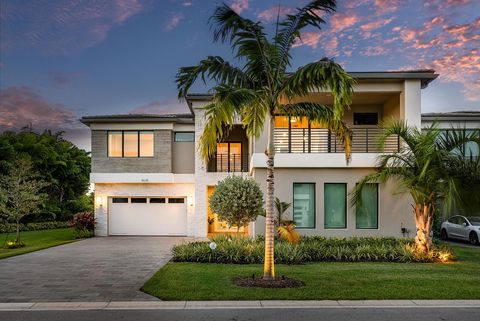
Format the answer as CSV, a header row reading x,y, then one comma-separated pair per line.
x,y
37,240
325,281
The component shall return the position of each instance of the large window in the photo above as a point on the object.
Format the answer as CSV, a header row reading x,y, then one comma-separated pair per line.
x,y
304,205
130,144
229,157
367,212
335,205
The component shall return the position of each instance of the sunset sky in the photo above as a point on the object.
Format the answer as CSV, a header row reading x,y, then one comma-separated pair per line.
x,y
61,60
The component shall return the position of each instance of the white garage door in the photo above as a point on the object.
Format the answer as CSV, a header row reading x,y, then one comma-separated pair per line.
x,y
147,216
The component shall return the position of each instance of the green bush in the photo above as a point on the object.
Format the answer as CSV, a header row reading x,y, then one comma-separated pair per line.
x,y
11,228
83,234
244,250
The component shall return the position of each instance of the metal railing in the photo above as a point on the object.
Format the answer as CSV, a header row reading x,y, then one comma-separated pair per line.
x,y
321,140
228,163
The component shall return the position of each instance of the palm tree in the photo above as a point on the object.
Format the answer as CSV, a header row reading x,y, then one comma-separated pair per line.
x,y
261,88
427,168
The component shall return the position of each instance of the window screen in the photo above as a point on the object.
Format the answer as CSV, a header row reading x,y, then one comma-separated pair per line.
x,y
367,213
304,205
335,209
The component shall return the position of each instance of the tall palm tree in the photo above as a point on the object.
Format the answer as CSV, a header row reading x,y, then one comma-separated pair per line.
x,y
428,169
261,88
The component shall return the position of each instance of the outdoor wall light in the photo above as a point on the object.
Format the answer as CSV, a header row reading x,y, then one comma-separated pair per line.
x,y
190,201
100,201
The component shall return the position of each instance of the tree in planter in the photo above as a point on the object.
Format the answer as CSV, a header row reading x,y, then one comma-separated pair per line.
x,y
263,87
21,190
424,168
237,200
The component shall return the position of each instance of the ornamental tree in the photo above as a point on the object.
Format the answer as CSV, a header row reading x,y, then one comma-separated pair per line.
x,y
237,200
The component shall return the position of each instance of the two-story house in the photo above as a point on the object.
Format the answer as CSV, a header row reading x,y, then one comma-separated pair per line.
x,y
150,179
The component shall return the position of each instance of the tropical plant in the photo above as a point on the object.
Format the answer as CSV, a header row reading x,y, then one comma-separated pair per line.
x,y
285,228
22,191
427,168
261,87
237,201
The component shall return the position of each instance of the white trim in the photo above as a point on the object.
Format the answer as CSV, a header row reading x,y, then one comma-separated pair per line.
x,y
131,126
144,178
393,87
184,127
315,160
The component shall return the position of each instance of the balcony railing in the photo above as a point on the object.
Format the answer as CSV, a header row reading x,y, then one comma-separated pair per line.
x,y
228,163
321,140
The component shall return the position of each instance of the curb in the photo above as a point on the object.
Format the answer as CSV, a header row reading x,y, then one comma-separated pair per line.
x,y
280,304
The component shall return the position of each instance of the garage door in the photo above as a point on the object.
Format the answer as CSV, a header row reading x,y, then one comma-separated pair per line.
x,y
147,216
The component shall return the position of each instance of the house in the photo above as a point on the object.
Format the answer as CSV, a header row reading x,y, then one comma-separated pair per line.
x,y
150,179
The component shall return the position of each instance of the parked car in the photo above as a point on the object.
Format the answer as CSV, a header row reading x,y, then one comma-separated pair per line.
x,y
462,228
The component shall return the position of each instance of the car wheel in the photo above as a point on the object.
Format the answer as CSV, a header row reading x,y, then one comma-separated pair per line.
x,y
473,238
444,235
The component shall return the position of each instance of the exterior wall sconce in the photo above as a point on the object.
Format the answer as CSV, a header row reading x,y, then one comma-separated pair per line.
x,y
190,201
99,200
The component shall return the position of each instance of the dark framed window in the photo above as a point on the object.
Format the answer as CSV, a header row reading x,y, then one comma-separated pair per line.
x,y
138,200
304,205
176,200
335,205
184,137
157,200
229,157
120,200
130,143
365,118
367,213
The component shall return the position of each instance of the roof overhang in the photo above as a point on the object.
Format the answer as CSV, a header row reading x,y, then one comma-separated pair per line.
x,y
425,76
139,118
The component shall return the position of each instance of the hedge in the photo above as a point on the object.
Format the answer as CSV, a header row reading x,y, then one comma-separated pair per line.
x,y
12,228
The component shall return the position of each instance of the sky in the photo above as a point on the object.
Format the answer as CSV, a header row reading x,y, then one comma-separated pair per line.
x,y
61,60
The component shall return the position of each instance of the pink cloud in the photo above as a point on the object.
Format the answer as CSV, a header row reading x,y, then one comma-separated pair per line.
x,y
375,24
342,21
271,13
374,51
239,5
61,27
21,106
173,21
386,6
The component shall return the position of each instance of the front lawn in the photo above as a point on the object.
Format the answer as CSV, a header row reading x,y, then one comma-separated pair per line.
x,y
37,240
325,281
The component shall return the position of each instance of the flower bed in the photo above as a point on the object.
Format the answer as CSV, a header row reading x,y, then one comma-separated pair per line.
x,y
244,250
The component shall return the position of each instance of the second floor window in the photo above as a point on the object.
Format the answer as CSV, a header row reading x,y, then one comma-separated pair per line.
x,y
130,144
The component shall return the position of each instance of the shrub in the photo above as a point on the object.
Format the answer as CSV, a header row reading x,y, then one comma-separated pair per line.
x,y
84,221
10,227
13,244
83,234
244,250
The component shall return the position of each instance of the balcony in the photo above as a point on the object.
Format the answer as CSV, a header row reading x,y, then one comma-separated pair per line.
x,y
230,163
321,140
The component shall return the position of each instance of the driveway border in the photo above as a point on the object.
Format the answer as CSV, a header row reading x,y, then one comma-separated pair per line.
x,y
207,305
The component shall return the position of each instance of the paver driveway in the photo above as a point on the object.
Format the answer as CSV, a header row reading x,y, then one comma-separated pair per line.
x,y
97,269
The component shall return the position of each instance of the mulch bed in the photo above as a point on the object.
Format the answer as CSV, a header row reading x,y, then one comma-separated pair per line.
x,y
277,283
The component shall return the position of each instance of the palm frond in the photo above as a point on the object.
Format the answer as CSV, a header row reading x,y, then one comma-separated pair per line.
x,y
455,139
324,74
213,68
322,116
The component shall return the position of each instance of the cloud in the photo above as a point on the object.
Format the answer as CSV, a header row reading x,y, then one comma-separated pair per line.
x,y
239,5
386,6
374,51
58,27
342,21
21,106
187,3
271,13
168,106
173,21
373,25
308,39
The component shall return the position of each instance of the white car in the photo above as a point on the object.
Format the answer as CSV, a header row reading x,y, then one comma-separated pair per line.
x,y
461,227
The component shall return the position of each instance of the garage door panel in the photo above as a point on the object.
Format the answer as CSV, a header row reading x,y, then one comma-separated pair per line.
x,y
147,218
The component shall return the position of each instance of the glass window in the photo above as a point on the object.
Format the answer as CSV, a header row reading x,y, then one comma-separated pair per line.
x,y
365,118
281,122
138,200
176,200
335,208
304,205
115,144
184,137
367,213
120,200
157,200
130,144
146,144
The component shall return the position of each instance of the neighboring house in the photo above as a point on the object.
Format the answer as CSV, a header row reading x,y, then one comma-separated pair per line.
x,y
150,179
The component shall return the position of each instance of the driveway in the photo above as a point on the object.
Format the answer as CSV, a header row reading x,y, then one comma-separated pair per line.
x,y
96,269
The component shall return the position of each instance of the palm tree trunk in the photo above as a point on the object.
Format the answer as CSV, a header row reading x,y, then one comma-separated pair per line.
x,y
269,268
423,222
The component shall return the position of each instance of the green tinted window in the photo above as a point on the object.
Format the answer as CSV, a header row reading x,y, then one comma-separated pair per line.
x,y
304,205
367,213
335,208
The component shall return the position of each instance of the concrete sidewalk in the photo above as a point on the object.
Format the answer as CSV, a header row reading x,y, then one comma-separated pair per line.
x,y
281,304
